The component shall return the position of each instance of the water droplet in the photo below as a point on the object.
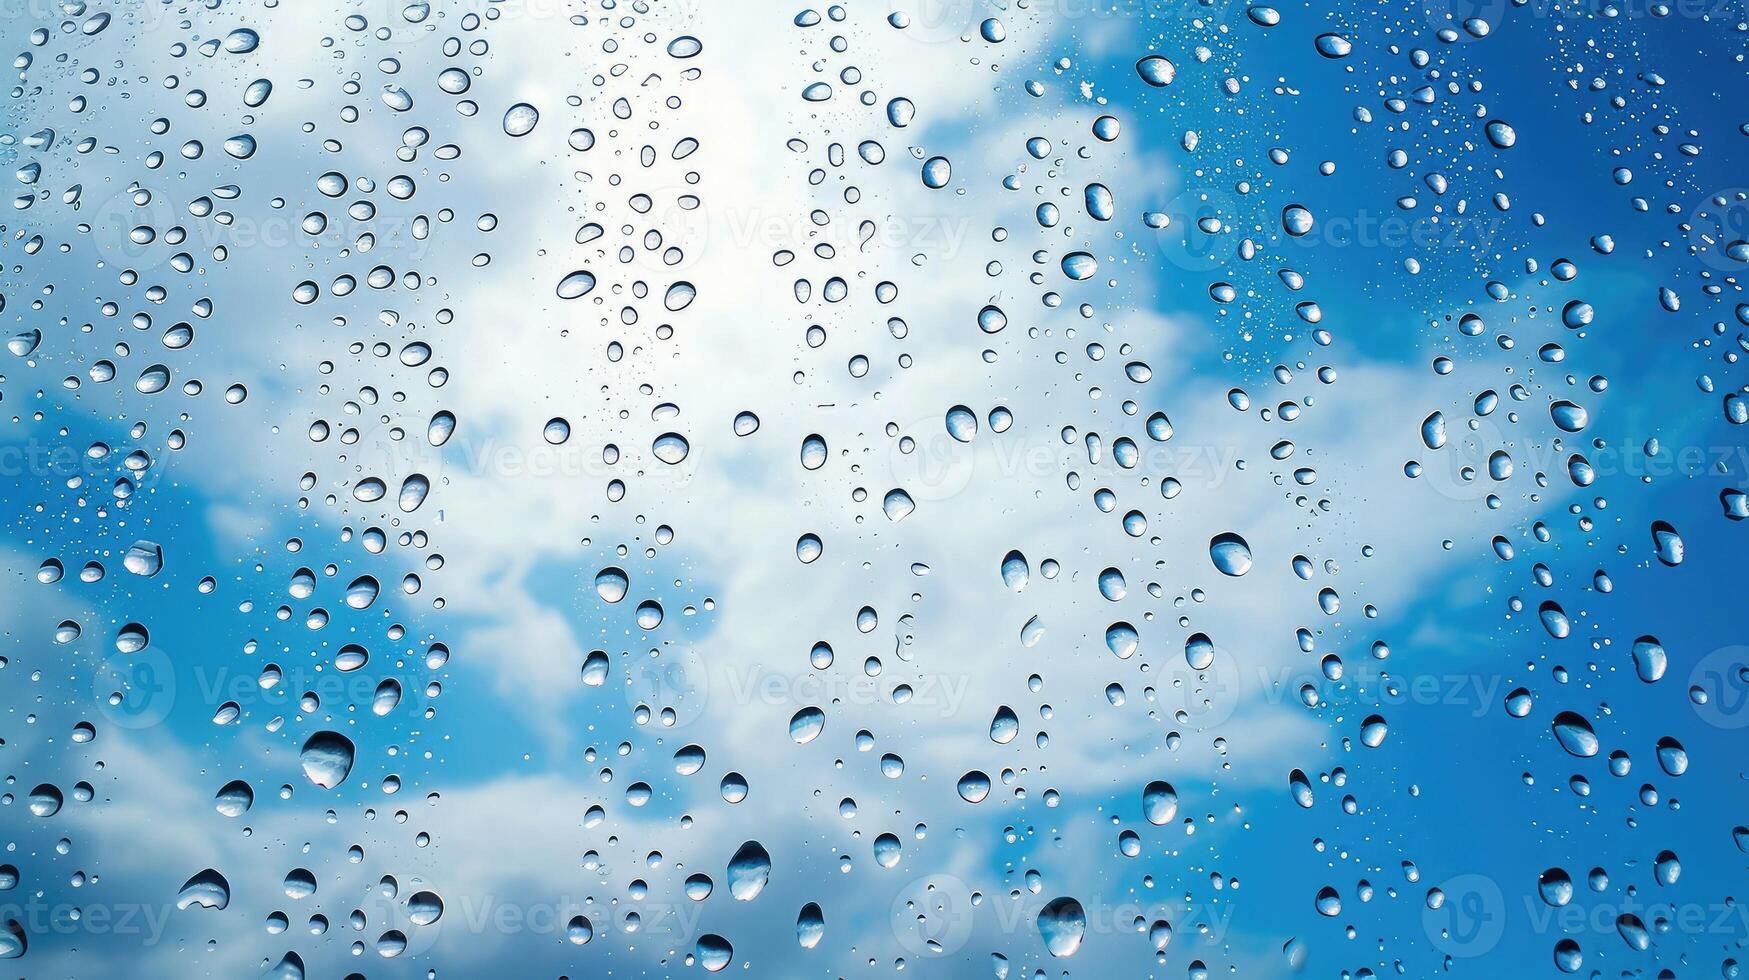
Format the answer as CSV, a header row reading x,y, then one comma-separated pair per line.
x,y
207,889
520,119
576,284
1575,735
1156,71
937,171
327,758
898,505
1159,803
1079,266
806,725
974,786
1667,544
1230,554
810,926
714,953
749,870
1063,924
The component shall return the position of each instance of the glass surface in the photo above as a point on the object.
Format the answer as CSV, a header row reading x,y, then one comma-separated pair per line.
x,y
963,488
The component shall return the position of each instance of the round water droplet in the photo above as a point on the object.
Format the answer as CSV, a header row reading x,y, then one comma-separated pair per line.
x,y
1296,220
520,119
670,448
714,953
937,171
974,786
1230,554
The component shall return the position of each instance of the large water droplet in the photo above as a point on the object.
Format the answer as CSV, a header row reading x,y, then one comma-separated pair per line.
x,y
1230,553
327,758
1063,924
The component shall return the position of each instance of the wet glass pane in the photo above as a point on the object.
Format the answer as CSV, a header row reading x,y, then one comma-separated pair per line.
x,y
1015,489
